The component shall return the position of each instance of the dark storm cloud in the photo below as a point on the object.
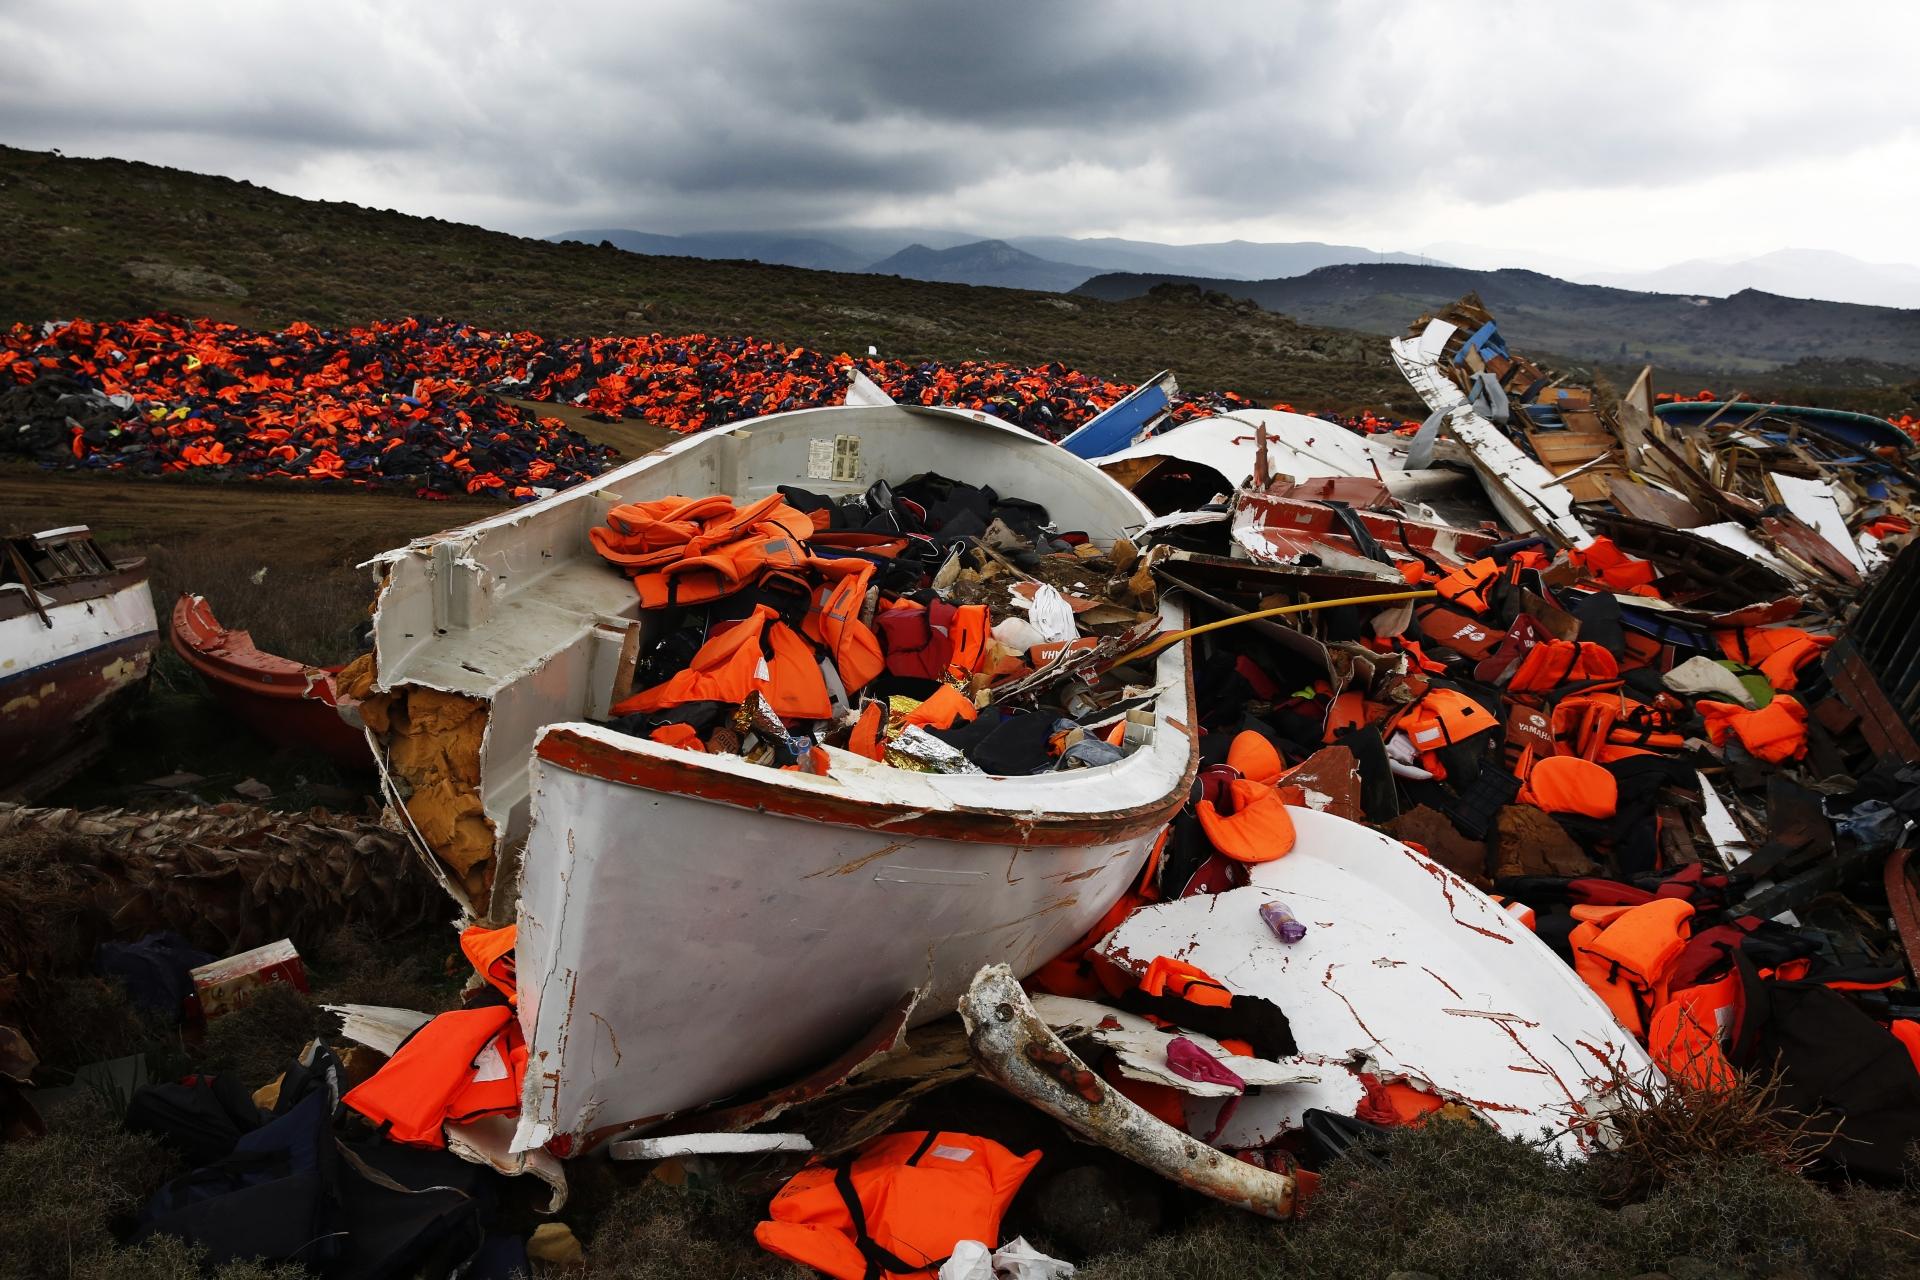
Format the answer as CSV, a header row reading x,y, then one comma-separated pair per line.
x,y
1026,116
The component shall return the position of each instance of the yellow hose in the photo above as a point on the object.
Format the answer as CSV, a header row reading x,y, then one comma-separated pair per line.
x,y
1158,643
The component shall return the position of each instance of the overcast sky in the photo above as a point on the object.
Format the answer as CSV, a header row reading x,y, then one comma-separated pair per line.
x,y
1621,133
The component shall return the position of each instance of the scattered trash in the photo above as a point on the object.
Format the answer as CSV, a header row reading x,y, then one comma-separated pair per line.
x,y
225,985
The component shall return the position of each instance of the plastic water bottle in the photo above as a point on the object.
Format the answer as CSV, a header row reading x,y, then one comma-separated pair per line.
x,y
1285,925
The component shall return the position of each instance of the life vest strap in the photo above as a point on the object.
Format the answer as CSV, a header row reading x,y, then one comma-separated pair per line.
x,y
880,1260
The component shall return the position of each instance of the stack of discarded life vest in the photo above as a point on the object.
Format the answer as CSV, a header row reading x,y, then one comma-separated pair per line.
x,y
796,620
1545,737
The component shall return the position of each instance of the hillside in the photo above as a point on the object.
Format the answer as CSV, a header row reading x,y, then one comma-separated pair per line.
x,y
1747,332
114,238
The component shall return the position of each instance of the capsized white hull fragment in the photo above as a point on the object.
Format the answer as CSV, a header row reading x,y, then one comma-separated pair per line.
x,y
1407,972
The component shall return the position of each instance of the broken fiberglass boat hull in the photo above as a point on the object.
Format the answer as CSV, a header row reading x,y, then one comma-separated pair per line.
x,y
71,651
691,924
1526,494
1406,972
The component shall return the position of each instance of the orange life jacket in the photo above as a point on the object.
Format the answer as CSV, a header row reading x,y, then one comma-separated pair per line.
x,y
971,626
865,739
1255,758
795,685
684,736
1568,784
1348,710
1614,567
1552,663
727,668
897,1208
1258,830
1683,1035
647,534
1442,718
719,572
1779,652
686,550
1166,976
919,638
431,1078
1627,961
1462,633
490,952
834,622
1907,1032
1776,732
944,706
1467,586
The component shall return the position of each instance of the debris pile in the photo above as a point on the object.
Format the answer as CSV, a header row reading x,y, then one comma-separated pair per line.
x,y
1498,771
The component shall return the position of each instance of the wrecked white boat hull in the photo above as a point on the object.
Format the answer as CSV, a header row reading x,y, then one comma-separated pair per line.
x,y
674,948
691,924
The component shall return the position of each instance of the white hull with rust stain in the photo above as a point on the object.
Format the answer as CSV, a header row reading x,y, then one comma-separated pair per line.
x,y
691,924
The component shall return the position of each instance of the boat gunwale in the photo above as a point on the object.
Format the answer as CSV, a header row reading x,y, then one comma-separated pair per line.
x,y
651,767
199,639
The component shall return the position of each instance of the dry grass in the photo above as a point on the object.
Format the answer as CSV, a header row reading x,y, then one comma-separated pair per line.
x,y
1664,1132
316,615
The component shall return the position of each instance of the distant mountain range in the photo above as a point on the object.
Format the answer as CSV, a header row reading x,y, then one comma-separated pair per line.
x,y
1751,329
991,262
1059,263
1051,264
1792,273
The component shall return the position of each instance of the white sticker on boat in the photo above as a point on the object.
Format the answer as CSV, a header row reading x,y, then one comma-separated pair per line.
x,y
959,1155
819,459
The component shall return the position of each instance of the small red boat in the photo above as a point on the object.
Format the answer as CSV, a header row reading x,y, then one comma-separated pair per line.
x,y
286,702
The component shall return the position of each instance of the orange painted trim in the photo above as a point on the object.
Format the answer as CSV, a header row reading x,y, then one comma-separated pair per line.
x,y
693,779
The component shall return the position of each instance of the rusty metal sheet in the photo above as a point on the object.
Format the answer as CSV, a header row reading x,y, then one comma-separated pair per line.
x,y
1330,777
